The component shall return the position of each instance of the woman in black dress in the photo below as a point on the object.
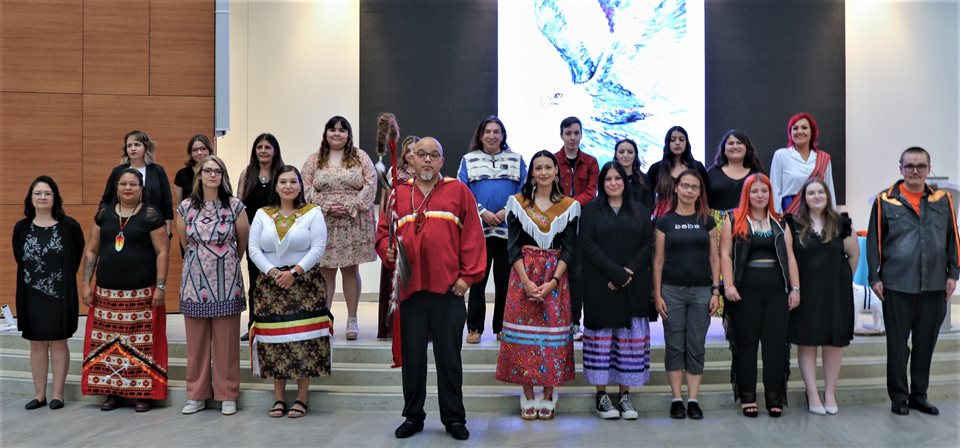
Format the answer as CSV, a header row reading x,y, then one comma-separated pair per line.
x,y
198,148
254,190
138,153
48,247
736,159
827,253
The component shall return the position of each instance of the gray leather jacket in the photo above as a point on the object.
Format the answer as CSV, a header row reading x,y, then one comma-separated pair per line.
x,y
911,253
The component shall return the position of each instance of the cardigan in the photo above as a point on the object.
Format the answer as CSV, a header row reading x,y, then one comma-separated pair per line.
x,y
73,243
156,189
610,242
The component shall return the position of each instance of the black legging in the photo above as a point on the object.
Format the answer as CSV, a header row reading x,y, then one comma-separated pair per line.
x,y
477,303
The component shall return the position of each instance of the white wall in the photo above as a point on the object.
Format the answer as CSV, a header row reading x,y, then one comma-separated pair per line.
x,y
293,65
903,89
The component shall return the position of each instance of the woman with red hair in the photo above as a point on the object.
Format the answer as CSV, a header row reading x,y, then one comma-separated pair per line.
x,y
800,161
756,259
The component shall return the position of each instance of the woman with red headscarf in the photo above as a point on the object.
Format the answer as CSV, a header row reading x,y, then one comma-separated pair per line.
x,y
756,259
799,161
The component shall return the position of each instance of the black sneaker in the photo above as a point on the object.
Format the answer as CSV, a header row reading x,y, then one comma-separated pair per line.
x,y
677,410
693,410
458,431
407,429
605,407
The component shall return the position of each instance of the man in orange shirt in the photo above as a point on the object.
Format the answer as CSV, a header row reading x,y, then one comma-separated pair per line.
x,y
912,253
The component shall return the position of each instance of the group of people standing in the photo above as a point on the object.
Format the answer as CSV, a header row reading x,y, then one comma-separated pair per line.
x,y
561,237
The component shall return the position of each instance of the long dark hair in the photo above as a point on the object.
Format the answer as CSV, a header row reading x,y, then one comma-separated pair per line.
x,y
477,145
750,159
638,177
224,192
351,154
252,172
701,206
31,212
686,157
274,201
197,138
602,197
527,191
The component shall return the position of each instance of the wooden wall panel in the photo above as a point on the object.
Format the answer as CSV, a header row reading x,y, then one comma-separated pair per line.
x,y
116,46
182,47
10,214
41,134
169,121
40,45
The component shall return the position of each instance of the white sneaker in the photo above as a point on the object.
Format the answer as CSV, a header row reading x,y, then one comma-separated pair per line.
x,y
627,411
228,407
194,406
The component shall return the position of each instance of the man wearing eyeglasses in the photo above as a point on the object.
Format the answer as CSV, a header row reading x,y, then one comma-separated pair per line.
x,y
439,229
912,253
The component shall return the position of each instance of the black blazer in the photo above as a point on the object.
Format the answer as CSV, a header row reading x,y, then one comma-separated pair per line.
x,y
609,242
72,240
156,193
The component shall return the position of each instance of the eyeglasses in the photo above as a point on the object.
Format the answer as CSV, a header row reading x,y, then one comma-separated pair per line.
x,y
199,150
43,194
915,168
128,184
212,171
423,155
689,187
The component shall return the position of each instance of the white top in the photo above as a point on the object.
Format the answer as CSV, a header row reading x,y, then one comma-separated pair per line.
x,y
303,244
789,171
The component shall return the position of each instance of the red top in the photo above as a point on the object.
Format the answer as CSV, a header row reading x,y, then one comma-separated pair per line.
x,y
587,171
449,245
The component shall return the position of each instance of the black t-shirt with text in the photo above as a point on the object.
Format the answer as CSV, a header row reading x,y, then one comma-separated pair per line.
x,y
686,249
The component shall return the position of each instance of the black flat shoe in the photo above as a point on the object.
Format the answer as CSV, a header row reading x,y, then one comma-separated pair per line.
x,y
56,404
35,404
923,406
677,410
409,428
693,410
899,409
458,431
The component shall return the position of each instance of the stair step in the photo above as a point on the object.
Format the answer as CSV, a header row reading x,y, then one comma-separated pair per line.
x,y
347,373
503,399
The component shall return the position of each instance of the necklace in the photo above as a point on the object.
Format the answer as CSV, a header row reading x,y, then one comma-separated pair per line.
x,y
760,227
119,240
264,179
420,218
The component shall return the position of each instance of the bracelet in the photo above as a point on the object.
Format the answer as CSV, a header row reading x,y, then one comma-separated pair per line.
x,y
795,289
556,280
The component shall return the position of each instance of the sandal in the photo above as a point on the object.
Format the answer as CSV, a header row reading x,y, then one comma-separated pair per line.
x,y
279,409
750,410
528,407
548,408
775,411
297,413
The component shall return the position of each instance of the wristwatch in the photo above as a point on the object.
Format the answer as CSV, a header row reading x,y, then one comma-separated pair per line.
x,y
162,286
795,289
295,274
